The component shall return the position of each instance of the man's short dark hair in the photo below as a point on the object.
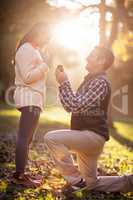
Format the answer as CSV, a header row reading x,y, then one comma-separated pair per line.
x,y
107,54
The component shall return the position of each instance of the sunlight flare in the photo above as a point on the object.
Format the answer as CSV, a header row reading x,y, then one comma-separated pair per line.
x,y
77,34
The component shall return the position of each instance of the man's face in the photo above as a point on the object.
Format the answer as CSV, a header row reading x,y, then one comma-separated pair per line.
x,y
95,62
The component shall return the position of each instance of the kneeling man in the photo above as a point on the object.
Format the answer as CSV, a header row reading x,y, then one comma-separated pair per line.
x,y
89,128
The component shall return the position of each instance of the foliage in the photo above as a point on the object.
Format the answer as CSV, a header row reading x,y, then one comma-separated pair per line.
x,y
123,46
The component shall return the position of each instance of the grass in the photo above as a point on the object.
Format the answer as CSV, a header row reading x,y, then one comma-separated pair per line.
x,y
116,158
126,129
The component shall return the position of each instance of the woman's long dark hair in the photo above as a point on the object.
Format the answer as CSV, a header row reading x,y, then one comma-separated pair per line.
x,y
33,34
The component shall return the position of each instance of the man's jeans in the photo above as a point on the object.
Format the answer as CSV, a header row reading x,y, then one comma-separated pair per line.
x,y
88,146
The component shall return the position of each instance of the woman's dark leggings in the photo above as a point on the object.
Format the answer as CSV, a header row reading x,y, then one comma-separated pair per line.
x,y
28,123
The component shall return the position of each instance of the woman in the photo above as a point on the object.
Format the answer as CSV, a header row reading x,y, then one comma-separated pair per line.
x,y
30,75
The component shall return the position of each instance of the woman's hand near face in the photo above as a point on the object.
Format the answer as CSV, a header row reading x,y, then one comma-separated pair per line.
x,y
39,62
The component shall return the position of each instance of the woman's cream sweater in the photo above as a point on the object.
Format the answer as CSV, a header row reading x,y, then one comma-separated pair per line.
x,y
30,75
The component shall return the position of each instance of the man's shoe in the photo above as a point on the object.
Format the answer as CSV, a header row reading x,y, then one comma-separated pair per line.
x,y
25,180
80,186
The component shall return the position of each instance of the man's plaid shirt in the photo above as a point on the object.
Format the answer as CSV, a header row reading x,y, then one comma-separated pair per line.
x,y
88,97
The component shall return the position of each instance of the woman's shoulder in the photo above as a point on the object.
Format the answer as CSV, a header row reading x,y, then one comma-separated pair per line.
x,y
26,46
25,49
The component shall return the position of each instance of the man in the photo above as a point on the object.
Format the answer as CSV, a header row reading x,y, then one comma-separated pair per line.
x,y
89,128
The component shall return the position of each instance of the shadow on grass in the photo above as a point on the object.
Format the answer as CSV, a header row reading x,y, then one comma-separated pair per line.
x,y
11,192
93,195
122,140
19,192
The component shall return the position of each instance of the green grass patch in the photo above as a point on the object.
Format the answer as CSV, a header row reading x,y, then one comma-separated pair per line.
x,y
125,129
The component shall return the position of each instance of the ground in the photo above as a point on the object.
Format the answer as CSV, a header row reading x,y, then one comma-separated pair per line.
x,y
117,158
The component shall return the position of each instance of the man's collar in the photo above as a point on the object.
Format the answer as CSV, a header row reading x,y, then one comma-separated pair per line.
x,y
92,76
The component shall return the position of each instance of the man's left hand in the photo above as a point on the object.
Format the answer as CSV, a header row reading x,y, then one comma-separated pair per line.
x,y
60,76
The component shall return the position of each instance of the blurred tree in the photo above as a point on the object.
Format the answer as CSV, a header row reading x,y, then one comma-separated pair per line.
x,y
121,12
16,18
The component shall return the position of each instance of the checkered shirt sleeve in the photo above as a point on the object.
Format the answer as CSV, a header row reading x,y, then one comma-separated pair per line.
x,y
85,99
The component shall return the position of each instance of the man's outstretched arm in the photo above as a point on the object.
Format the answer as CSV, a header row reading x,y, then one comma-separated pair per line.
x,y
89,97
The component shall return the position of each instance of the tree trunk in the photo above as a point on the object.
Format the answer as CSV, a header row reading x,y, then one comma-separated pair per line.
x,y
102,23
114,29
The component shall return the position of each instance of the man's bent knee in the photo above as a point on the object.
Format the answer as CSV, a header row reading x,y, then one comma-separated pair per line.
x,y
50,136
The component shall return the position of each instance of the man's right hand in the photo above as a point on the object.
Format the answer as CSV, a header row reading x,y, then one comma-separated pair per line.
x,y
60,75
